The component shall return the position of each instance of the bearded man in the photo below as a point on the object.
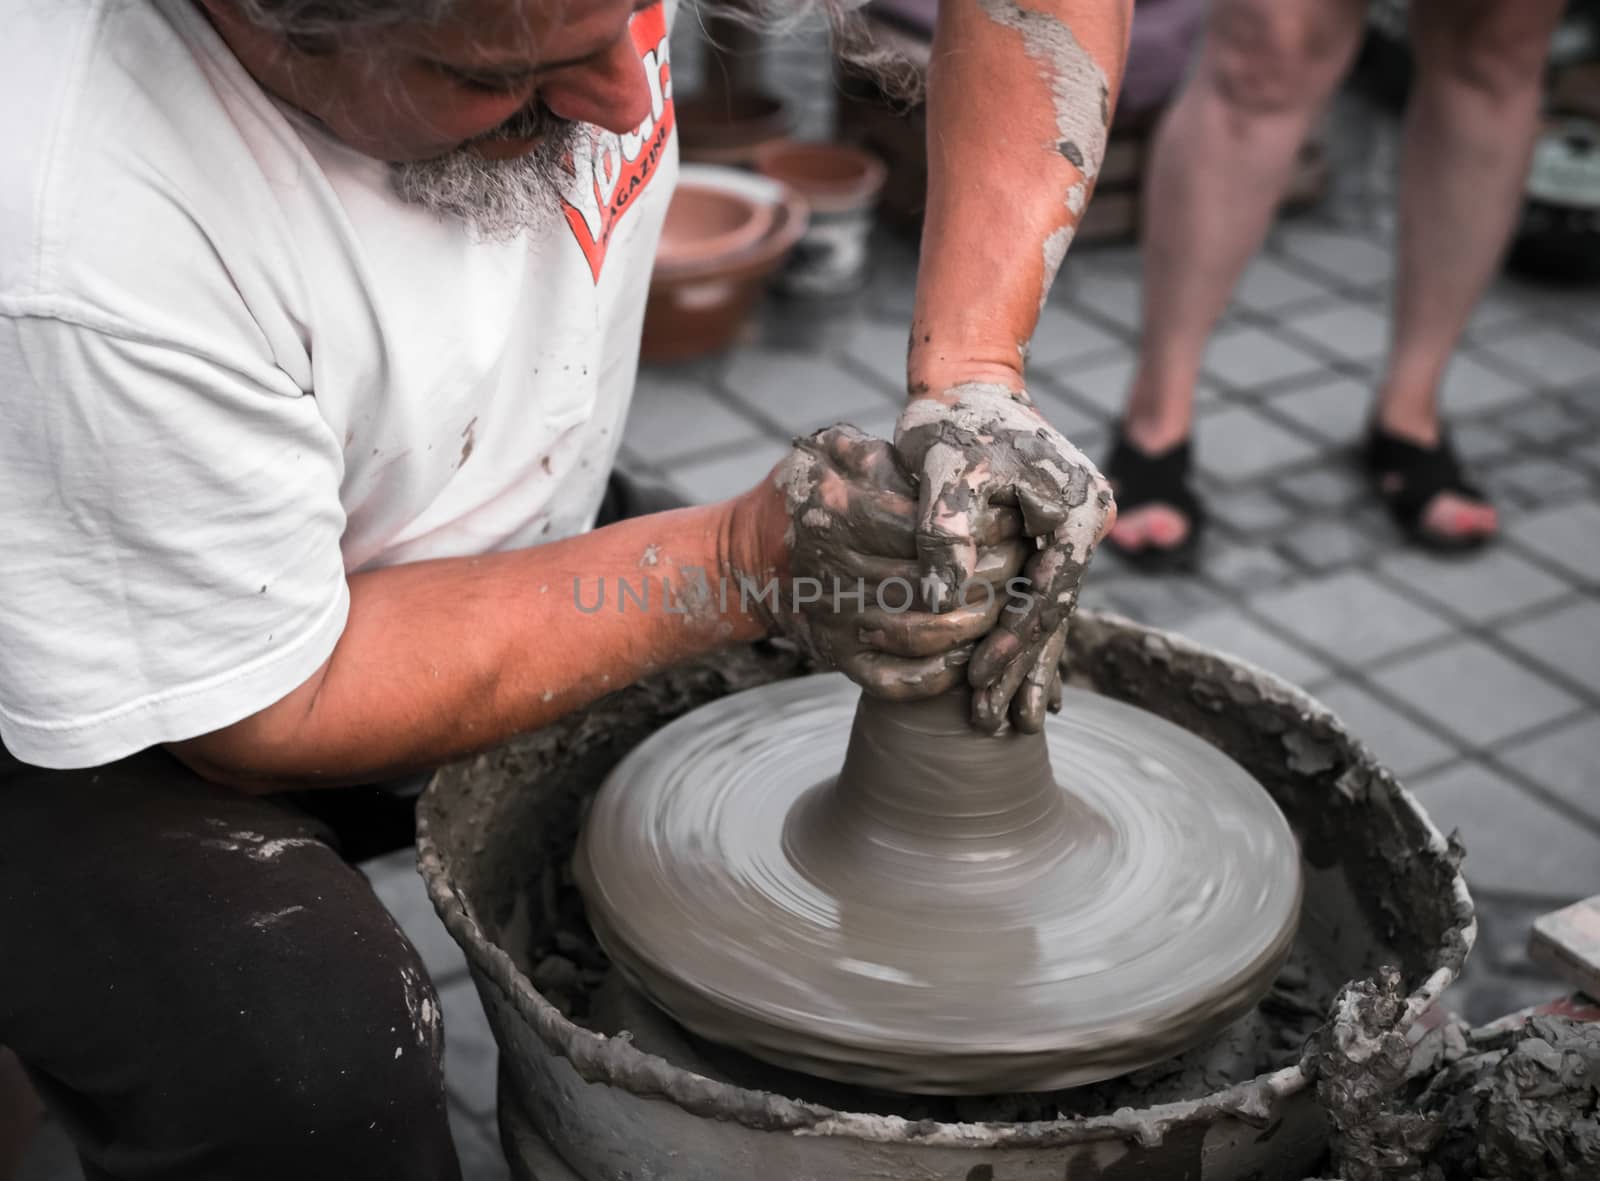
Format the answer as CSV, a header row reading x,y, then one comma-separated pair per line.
x,y
318,325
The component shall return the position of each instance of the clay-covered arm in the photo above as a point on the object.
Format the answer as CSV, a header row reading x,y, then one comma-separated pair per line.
x,y
1019,105
439,659
1020,97
446,657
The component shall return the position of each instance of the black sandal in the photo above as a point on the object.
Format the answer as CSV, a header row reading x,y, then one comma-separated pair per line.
x,y
1138,480
1407,477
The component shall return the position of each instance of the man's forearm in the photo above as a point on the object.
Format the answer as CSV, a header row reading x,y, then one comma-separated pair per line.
x,y
442,658
1019,103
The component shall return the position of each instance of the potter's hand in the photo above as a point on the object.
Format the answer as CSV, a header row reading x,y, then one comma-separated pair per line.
x,y
976,446
852,593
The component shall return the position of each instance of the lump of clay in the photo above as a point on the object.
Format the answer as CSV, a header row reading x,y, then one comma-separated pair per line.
x,y
1358,1063
1522,1104
1517,1105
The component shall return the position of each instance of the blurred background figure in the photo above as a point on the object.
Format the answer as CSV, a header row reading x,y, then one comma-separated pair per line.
x,y
1224,154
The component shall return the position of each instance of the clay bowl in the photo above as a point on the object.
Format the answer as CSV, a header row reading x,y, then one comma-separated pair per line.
x,y
833,178
841,183
718,128
698,300
710,222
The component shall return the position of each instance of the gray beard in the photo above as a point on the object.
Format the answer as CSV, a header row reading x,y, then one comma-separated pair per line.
x,y
498,199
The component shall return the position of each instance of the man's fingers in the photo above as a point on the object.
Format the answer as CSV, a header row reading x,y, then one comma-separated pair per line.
x,y
1051,589
897,578
998,564
991,704
1032,701
895,584
947,511
866,458
996,651
865,521
1109,521
1053,579
996,523
898,679
924,634
1089,522
1042,506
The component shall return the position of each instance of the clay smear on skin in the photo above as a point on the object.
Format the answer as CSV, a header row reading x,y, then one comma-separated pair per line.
x,y
985,421
835,519
983,413
1081,94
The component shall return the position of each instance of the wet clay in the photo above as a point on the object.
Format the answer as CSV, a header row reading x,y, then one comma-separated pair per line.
x,y
1268,1037
1501,1104
945,914
1521,1103
495,839
852,543
983,444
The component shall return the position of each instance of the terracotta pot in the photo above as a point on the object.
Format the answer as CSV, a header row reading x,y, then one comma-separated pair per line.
x,y
719,128
841,183
698,302
705,222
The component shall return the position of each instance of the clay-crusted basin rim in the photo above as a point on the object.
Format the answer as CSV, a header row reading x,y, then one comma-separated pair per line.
x,y
615,1062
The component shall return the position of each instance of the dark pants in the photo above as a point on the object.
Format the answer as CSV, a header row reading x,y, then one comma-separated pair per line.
x,y
201,985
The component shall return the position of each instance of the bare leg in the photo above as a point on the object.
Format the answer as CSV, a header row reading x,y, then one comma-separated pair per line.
x,y
1222,158
1469,132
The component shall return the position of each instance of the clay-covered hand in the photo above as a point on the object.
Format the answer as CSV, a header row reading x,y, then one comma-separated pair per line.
x,y
977,446
851,592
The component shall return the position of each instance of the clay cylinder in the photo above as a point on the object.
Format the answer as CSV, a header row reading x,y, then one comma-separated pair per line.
x,y
926,804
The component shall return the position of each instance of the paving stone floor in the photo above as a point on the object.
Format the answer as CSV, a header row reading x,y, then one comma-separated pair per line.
x,y
1476,679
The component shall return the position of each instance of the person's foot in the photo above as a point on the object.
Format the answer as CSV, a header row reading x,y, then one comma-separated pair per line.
x,y
1159,516
1155,526
1416,472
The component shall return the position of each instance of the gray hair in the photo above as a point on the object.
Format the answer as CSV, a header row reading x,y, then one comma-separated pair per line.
x,y
320,18
309,24
315,19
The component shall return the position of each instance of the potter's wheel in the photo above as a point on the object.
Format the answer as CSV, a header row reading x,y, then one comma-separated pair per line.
x,y
944,914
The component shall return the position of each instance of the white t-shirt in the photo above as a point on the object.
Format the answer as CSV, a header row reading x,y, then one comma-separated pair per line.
x,y
234,367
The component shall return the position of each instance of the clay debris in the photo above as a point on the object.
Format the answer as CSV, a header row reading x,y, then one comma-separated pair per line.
x,y
1522,1104
1357,1064
1513,1105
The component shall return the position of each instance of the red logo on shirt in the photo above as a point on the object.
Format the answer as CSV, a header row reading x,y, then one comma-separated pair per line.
x,y
611,171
